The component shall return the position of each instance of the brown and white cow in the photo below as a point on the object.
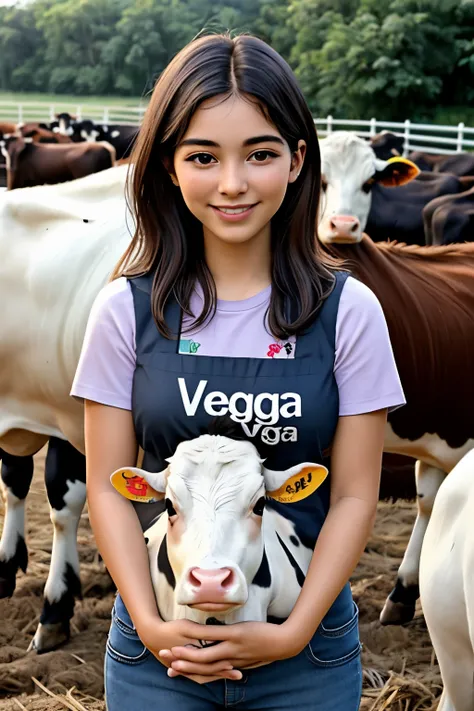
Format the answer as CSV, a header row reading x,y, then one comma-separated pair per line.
x,y
427,296
30,164
245,562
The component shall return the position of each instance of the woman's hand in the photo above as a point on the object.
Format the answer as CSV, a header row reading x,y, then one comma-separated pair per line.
x,y
157,635
243,645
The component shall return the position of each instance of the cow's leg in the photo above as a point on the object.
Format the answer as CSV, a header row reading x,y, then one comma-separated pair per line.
x,y
65,475
17,473
400,605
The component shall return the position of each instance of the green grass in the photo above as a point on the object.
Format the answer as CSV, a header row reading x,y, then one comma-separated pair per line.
x,y
63,99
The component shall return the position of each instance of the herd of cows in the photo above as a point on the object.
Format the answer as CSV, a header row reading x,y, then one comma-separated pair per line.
x,y
58,246
66,149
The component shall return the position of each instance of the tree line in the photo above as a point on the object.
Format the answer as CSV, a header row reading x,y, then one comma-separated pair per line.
x,y
392,59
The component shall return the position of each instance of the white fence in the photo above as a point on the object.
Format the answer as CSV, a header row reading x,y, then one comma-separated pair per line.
x,y
46,112
416,136
425,137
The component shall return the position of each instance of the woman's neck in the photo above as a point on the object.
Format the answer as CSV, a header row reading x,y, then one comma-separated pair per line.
x,y
240,270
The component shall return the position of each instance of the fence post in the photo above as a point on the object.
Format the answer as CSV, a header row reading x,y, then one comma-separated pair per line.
x,y
105,117
51,113
20,113
79,113
406,137
373,127
329,124
460,137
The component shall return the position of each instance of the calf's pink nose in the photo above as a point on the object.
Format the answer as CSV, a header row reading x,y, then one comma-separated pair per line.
x,y
211,582
344,225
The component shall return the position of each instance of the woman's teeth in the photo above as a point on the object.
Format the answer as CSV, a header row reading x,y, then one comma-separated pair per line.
x,y
233,211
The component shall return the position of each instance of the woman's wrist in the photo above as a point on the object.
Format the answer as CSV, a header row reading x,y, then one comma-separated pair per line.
x,y
298,633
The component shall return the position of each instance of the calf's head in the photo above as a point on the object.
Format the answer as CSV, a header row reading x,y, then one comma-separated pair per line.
x,y
215,490
350,170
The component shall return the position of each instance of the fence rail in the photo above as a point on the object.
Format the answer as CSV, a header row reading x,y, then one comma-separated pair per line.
x,y
425,137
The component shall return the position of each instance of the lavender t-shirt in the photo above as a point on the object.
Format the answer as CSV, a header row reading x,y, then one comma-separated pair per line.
x,y
364,367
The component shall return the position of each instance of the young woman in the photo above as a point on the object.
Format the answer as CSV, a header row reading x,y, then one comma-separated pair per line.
x,y
225,288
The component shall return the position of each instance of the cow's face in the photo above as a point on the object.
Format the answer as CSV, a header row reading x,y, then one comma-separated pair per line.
x,y
349,170
215,490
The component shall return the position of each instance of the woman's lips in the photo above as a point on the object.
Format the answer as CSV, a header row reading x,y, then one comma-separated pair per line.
x,y
234,214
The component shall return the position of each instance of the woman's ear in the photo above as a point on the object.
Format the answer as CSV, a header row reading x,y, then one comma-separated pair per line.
x,y
169,167
297,160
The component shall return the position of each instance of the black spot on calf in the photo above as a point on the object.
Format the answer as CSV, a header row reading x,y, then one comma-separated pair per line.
x,y
295,541
263,577
164,565
299,573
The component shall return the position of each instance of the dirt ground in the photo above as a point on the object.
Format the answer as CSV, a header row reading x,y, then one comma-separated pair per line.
x,y
400,670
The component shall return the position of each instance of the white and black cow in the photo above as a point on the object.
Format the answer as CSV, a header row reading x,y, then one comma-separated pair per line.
x,y
120,136
447,585
218,549
58,246
365,193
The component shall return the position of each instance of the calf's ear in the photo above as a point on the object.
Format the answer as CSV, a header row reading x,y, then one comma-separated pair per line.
x,y
139,485
396,171
295,483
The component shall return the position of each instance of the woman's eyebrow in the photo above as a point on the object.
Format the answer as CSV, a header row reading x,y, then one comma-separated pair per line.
x,y
249,142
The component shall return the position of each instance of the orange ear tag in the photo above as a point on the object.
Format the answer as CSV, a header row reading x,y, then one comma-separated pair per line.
x,y
134,487
300,485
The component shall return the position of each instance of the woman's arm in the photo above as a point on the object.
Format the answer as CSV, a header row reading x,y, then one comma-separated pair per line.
x,y
111,444
355,478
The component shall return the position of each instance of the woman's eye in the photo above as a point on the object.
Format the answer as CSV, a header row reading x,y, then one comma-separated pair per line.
x,y
259,506
170,508
262,156
201,158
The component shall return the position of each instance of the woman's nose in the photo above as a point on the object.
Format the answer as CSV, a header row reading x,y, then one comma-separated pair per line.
x,y
233,181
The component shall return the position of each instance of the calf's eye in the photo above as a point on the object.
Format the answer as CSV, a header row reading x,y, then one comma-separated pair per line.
x,y
170,508
367,187
259,506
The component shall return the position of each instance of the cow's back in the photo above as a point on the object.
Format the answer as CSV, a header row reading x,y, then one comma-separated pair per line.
x,y
57,249
397,213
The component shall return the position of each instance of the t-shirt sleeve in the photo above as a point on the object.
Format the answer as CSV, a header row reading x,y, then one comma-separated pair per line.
x,y
364,367
107,361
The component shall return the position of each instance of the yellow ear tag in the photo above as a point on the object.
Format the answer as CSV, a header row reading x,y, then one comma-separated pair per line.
x,y
134,487
300,485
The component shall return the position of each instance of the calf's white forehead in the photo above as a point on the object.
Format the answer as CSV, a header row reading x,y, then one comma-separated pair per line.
x,y
345,156
215,470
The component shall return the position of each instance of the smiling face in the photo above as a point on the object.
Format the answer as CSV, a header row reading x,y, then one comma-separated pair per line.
x,y
233,168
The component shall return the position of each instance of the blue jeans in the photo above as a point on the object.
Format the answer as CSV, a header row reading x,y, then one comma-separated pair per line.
x,y
325,676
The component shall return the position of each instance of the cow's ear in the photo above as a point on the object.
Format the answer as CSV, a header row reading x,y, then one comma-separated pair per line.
x,y
396,171
139,485
295,483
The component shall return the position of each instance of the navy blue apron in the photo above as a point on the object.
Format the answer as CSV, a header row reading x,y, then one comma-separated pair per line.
x,y
288,408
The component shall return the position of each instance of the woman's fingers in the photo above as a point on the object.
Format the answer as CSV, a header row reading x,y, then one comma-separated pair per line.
x,y
222,668
205,655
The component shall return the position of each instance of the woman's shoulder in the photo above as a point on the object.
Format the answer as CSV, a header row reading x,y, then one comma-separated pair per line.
x,y
113,297
357,296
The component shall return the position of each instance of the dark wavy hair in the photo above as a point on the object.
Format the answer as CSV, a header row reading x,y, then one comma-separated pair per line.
x,y
168,239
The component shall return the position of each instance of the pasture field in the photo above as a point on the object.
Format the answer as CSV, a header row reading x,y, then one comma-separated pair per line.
x,y
60,99
400,670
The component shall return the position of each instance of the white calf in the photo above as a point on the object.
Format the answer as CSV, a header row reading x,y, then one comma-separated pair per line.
x,y
217,549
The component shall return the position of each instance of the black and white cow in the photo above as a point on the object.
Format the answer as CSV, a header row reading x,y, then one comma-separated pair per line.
x,y
218,549
364,193
65,480
120,136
